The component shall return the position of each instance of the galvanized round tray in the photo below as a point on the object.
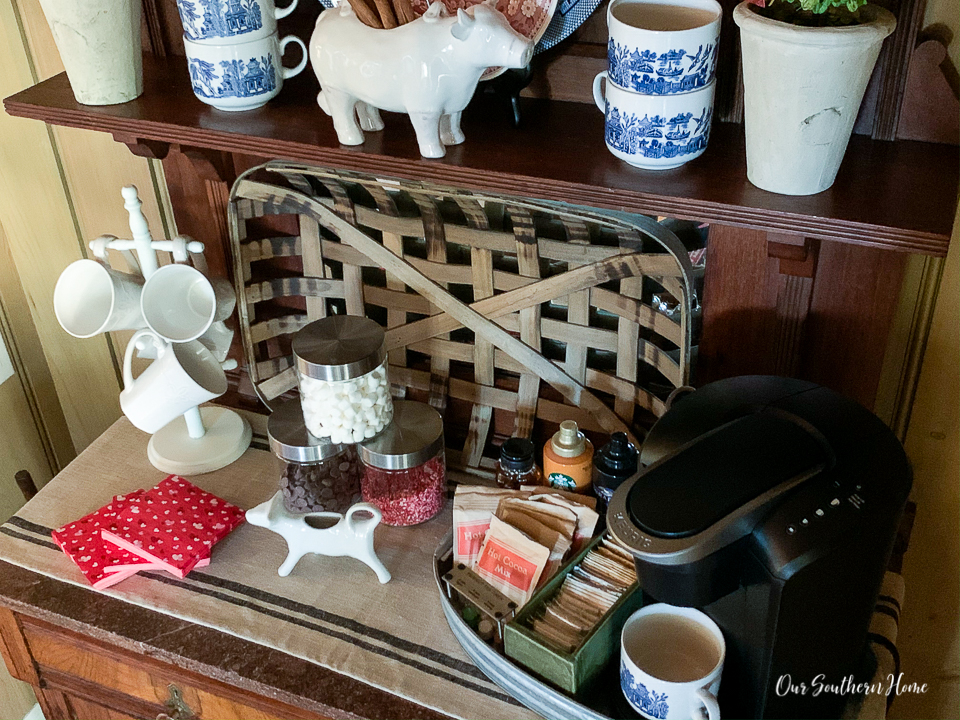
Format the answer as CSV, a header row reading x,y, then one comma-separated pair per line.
x,y
533,693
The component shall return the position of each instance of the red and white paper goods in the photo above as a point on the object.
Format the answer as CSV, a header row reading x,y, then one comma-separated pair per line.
x,y
102,563
174,525
473,506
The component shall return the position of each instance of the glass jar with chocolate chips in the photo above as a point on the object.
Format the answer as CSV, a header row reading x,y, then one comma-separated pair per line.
x,y
315,474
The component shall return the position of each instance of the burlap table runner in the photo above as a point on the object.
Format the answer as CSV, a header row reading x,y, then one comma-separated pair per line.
x,y
331,611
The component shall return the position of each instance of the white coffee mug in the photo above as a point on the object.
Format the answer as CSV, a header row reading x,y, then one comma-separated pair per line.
x,y
229,22
654,132
183,376
178,302
663,47
671,659
92,298
242,76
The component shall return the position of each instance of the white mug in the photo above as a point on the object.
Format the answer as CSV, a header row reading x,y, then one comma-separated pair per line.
x,y
183,376
92,298
671,659
663,47
654,132
178,303
242,76
230,21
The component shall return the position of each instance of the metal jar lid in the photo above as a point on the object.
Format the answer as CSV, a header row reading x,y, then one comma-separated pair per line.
x,y
414,436
291,441
339,347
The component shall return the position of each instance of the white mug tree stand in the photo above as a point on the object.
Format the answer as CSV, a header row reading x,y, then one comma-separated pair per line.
x,y
200,439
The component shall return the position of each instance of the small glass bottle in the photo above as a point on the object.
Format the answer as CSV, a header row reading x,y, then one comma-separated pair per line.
x,y
614,462
568,459
517,466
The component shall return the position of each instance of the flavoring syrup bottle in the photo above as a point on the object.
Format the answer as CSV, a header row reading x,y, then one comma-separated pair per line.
x,y
568,459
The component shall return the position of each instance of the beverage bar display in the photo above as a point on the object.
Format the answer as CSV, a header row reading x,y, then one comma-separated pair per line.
x,y
618,543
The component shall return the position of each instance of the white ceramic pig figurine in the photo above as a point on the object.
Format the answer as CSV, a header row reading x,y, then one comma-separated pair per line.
x,y
428,68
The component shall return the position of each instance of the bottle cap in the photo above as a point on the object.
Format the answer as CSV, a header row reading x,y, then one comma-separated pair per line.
x,y
568,441
618,458
517,454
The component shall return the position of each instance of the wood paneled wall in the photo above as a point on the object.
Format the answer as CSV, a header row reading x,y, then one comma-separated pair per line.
x,y
59,189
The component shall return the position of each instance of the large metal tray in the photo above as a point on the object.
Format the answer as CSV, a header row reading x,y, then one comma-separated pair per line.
x,y
604,702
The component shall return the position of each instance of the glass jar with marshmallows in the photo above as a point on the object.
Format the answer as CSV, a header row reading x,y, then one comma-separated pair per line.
x,y
342,371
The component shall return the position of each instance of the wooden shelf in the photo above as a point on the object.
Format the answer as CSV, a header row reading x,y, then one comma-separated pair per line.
x,y
895,195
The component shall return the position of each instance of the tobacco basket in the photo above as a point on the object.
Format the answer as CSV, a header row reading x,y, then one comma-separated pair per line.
x,y
507,315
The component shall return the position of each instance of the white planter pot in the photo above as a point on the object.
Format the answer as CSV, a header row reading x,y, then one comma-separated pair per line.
x,y
802,92
99,43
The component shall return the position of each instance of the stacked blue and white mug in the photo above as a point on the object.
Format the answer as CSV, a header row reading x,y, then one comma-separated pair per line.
x,y
657,93
234,52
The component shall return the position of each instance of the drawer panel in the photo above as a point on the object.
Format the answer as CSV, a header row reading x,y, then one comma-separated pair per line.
x,y
61,656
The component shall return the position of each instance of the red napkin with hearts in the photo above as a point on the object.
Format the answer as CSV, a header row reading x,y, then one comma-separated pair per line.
x,y
173,525
103,564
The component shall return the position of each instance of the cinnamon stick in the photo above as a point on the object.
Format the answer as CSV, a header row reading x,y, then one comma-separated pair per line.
x,y
366,13
387,17
404,11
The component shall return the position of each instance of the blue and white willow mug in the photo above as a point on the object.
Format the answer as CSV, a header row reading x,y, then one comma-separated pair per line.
x,y
224,22
671,659
654,132
242,76
663,47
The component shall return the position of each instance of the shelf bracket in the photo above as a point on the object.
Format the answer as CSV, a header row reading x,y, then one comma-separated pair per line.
x,y
142,147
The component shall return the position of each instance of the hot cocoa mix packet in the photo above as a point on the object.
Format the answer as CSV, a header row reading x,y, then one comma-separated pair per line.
x,y
511,562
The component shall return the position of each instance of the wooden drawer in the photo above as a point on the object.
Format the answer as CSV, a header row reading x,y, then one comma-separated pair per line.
x,y
104,682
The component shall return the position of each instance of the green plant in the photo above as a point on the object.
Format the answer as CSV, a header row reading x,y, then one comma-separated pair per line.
x,y
818,13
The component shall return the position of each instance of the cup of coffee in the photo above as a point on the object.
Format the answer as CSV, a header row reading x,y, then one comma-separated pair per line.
x,y
663,47
229,21
241,76
670,663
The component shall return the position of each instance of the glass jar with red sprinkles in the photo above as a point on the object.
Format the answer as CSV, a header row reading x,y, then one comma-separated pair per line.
x,y
404,473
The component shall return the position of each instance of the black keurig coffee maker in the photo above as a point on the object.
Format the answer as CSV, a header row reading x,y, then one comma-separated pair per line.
x,y
772,505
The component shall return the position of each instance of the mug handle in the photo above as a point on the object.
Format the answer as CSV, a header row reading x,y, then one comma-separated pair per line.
x,y
131,346
290,72
710,703
280,13
598,97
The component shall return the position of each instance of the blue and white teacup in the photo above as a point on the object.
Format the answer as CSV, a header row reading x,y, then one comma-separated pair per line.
x,y
671,659
242,76
663,47
654,132
224,22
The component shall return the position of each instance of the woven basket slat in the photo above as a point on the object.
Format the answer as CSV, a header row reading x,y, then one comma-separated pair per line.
x,y
475,293
484,369
635,311
395,298
311,250
436,245
308,287
528,265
